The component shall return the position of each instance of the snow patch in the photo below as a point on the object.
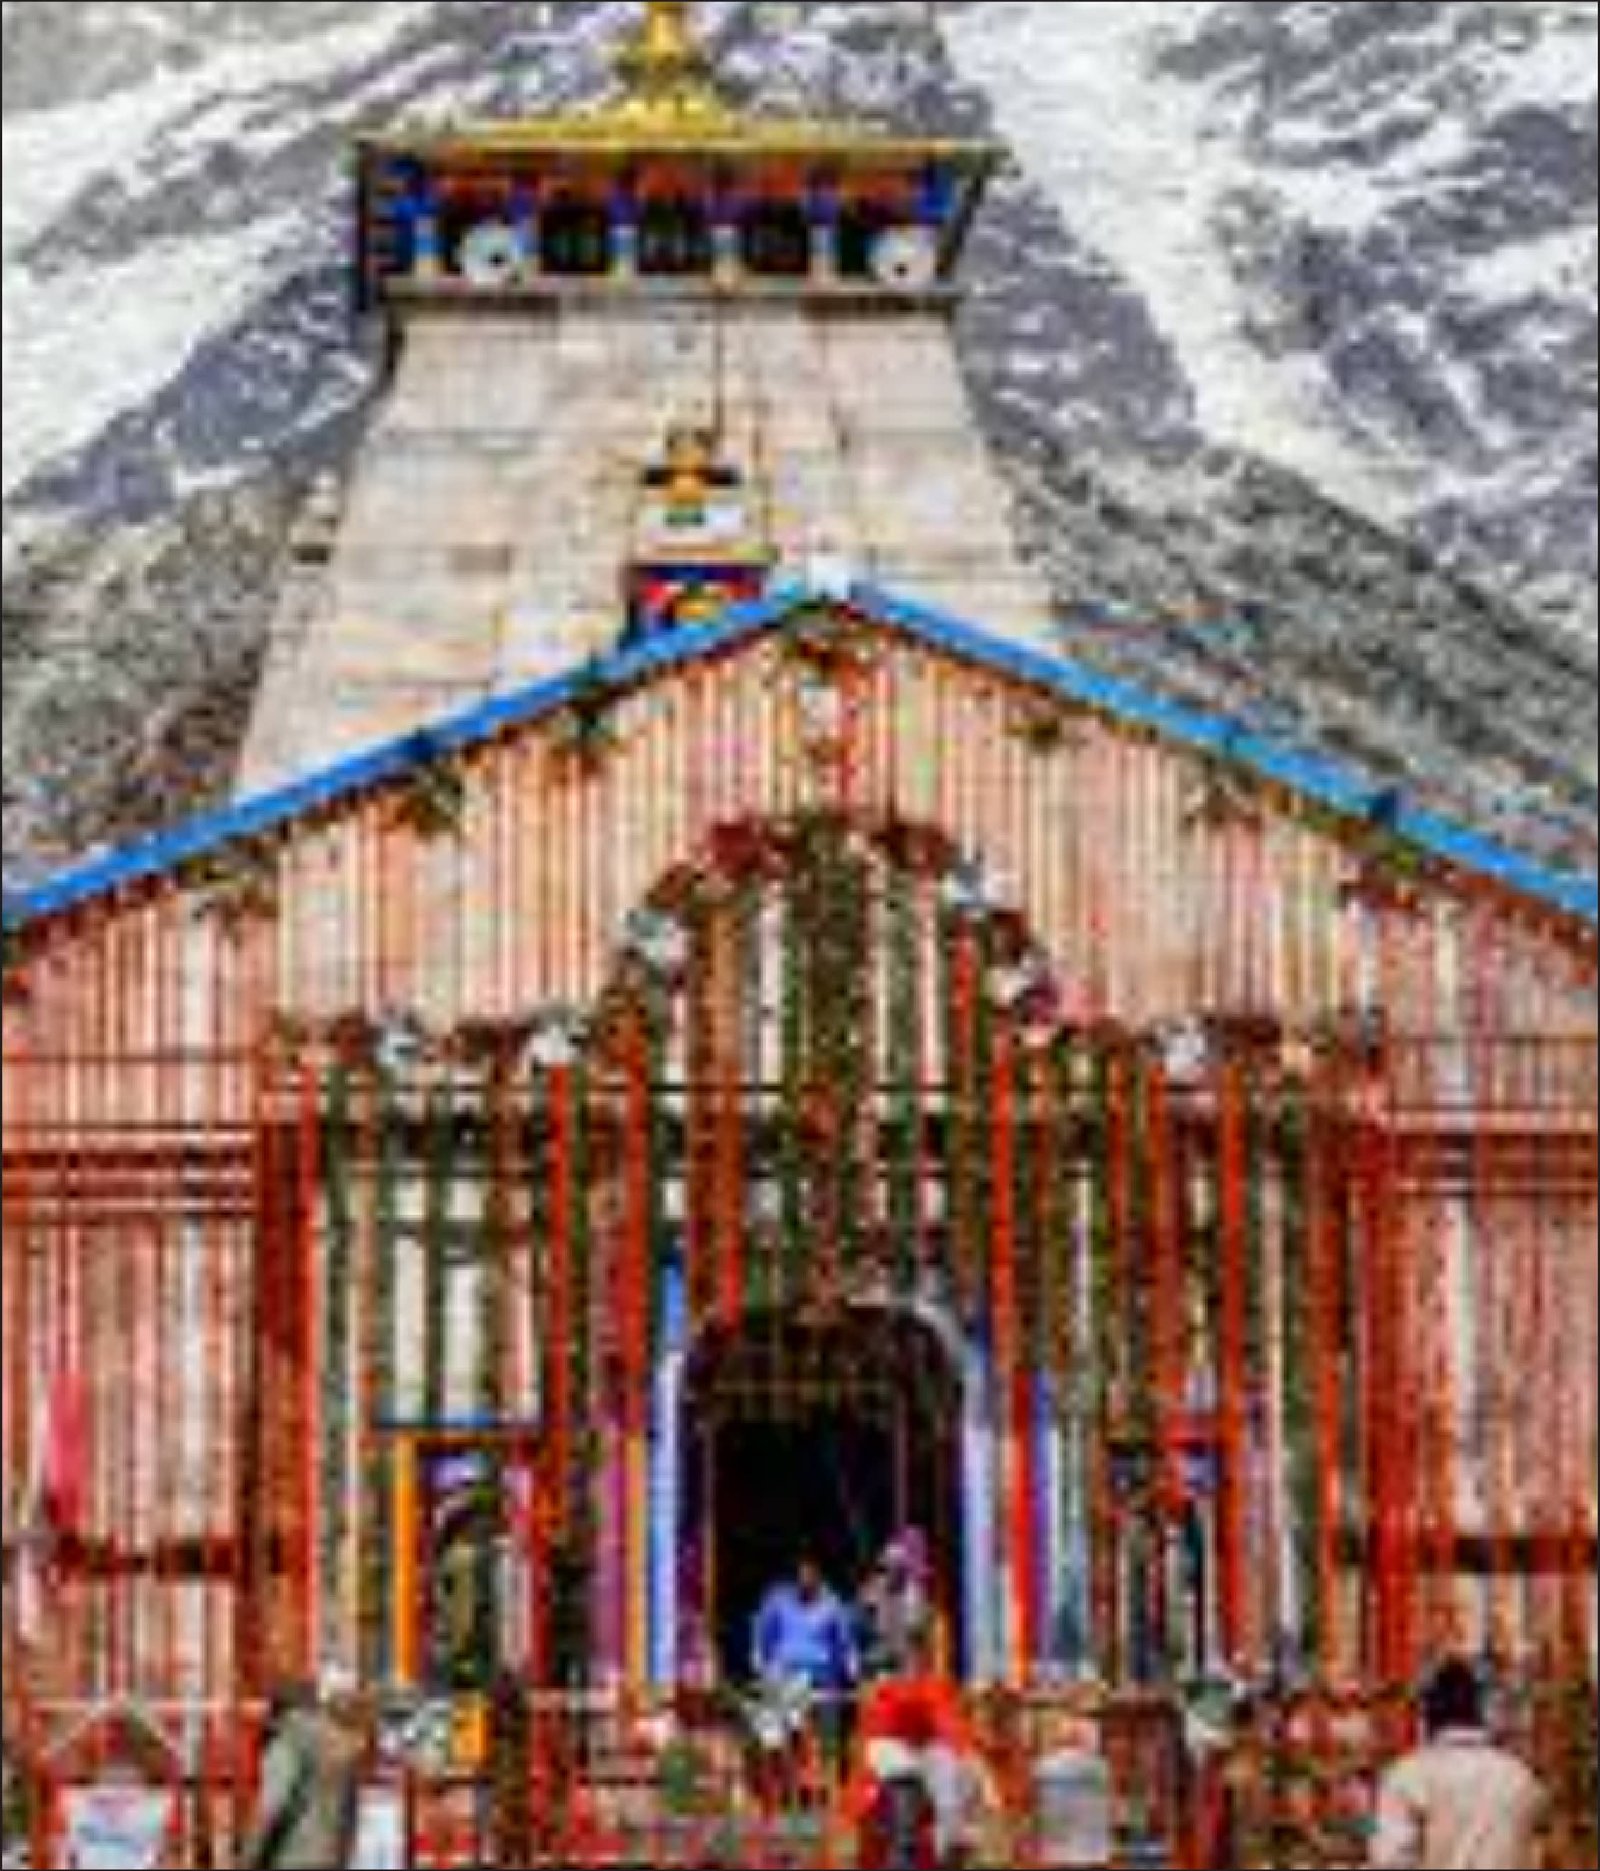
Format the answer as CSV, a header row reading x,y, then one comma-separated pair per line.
x,y
87,343
119,334
1141,167
1564,263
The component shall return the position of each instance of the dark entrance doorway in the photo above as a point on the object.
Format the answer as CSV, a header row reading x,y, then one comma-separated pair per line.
x,y
821,1438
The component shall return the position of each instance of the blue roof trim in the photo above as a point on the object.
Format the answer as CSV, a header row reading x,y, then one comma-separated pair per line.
x,y
269,812
1310,775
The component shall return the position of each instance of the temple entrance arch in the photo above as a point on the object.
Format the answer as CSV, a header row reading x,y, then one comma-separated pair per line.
x,y
800,1049
835,1066
821,1434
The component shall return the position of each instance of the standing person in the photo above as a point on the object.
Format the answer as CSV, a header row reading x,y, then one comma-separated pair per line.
x,y
915,1731
807,1669
1459,1802
311,1782
895,1611
804,1635
1073,1797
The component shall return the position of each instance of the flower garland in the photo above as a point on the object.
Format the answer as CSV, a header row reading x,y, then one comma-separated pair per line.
x,y
1047,727
1224,797
1236,1346
588,1297
702,1142
1325,1349
828,646
438,1246
261,1478
1305,1536
500,1239
1168,1298
432,803
634,1303
793,1181
907,1167
338,1309
548,1479
239,887
828,1022
1387,1406
568,1321
967,1050
15,961
1065,1321
758,1192
379,1385
1104,1335
584,732
1578,1768
732,1169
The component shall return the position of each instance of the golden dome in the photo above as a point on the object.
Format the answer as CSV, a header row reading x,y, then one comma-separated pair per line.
x,y
669,99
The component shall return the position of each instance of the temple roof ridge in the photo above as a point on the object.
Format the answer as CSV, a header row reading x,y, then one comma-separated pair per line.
x,y
1308,777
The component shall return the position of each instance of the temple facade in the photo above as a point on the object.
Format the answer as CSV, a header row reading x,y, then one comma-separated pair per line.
x,y
687,1052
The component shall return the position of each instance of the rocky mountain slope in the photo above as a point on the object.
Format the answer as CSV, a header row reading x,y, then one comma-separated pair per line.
x,y
1284,326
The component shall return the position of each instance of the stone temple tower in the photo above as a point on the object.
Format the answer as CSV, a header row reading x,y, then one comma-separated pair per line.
x,y
645,356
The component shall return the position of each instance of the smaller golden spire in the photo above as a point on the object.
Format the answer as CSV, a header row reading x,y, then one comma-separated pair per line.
x,y
665,69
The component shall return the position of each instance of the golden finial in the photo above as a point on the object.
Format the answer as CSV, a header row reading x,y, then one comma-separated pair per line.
x,y
667,28
665,69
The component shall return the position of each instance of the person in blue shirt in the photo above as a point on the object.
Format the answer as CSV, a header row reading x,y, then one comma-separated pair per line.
x,y
804,1634
807,1665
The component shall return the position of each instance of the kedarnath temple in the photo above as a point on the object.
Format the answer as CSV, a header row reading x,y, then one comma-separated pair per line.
x,y
705,1038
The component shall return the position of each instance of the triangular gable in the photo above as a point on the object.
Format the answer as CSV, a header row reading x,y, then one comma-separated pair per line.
x,y
1307,777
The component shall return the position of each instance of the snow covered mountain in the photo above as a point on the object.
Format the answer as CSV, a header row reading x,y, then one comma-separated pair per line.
x,y
1285,327
1365,233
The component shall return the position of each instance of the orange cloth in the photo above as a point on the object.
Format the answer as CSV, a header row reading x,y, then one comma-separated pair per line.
x,y
919,1712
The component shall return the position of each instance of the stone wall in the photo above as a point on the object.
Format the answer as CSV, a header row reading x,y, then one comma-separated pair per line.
x,y
489,515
